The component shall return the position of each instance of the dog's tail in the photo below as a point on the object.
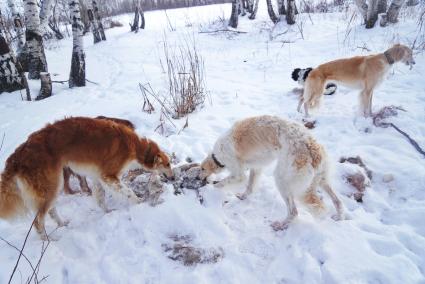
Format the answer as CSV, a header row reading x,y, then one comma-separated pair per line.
x,y
314,88
11,202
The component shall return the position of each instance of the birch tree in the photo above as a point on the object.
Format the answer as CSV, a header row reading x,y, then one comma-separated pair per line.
x,y
234,16
10,77
290,12
45,12
77,77
34,41
98,20
94,27
271,12
18,27
392,14
254,10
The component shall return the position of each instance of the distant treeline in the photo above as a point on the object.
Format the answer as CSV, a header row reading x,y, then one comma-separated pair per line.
x,y
116,7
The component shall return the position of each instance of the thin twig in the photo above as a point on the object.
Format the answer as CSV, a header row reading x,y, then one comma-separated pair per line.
x,y
2,141
92,82
26,258
22,249
411,140
61,82
223,30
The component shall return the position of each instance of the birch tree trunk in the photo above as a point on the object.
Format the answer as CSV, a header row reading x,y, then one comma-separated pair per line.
x,y
382,6
233,21
17,24
95,30
254,10
290,12
142,19
135,26
392,13
18,27
10,77
281,5
271,12
372,14
46,86
99,20
34,41
45,12
363,7
77,76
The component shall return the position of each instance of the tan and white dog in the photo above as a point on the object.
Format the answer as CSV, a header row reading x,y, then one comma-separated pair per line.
x,y
255,142
360,72
100,149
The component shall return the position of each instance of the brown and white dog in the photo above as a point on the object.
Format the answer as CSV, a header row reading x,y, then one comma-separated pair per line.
x,y
360,72
100,149
256,142
67,172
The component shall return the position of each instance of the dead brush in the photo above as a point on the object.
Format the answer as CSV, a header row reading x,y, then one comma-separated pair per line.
x,y
184,67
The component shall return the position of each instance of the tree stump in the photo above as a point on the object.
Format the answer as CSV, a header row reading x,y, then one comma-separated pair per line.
x,y
46,86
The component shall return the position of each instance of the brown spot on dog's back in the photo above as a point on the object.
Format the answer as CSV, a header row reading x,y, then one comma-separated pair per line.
x,y
316,152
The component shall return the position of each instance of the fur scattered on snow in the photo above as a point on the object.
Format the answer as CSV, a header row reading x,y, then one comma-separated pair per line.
x,y
149,186
181,249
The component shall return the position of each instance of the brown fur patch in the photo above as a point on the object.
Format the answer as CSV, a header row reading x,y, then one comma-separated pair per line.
x,y
316,152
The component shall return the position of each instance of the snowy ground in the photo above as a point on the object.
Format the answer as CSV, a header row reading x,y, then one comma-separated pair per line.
x,y
247,74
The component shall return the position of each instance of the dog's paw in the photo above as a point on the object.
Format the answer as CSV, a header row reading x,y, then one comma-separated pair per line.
x,y
280,226
338,217
219,184
241,196
63,223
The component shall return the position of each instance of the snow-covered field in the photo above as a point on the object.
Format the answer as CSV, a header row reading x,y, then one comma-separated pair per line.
x,y
383,240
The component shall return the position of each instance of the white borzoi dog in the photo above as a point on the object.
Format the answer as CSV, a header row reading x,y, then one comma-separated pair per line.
x,y
255,142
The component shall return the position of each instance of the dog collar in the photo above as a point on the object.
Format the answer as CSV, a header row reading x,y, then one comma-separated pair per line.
x,y
216,161
390,60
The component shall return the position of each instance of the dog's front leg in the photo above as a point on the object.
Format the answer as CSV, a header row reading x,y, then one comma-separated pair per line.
x,y
115,183
55,216
306,110
99,194
300,104
252,181
233,178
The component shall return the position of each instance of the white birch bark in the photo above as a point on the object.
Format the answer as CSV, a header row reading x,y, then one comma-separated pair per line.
x,y
271,12
363,7
372,14
34,41
18,24
77,77
45,13
99,20
234,16
94,27
10,77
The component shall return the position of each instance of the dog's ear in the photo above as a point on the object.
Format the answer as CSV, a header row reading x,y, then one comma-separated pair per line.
x,y
157,159
306,72
296,74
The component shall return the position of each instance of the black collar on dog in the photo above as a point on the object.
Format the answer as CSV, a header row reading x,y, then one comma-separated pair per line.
x,y
216,161
389,58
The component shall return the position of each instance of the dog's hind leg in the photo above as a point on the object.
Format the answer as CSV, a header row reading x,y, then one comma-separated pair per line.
x,y
83,184
292,213
252,181
335,200
366,102
312,199
55,216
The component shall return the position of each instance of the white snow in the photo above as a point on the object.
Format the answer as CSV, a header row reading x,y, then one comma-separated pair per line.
x,y
383,240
